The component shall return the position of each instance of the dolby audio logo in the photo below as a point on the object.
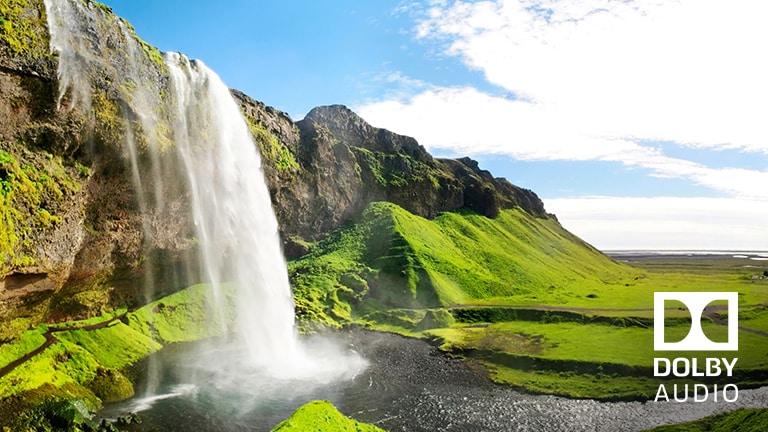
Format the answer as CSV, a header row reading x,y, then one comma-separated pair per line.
x,y
696,340
696,366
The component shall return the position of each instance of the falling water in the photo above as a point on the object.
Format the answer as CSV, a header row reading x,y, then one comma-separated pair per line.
x,y
185,140
232,211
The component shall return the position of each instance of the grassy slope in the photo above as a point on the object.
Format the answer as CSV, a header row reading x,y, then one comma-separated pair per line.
x,y
88,363
389,258
322,416
549,311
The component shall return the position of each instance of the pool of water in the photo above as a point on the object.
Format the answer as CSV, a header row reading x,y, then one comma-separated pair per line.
x,y
407,385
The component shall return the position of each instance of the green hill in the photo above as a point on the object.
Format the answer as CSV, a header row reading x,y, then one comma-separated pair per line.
x,y
389,258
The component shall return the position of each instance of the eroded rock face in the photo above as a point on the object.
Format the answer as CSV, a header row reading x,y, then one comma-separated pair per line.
x,y
343,164
71,234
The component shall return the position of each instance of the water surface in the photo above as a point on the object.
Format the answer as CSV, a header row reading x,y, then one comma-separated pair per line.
x,y
408,386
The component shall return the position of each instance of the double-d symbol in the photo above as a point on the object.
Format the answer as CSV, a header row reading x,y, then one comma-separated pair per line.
x,y
696,340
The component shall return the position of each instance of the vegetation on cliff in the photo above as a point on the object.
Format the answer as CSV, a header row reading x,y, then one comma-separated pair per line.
x,y
20,28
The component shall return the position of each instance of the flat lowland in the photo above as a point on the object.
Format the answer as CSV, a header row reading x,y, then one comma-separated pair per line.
x,y
601,346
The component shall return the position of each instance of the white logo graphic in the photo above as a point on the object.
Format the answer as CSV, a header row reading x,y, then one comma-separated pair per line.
x,y
696,339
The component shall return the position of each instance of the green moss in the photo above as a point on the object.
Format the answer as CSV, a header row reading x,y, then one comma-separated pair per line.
x,y
110,125
183,316
91,358
25,343
321,415
59,365
110,385
397,169
31,189
117,346
272,150
46,219
83,170
20,25
48,408
102,6
152,52
436,318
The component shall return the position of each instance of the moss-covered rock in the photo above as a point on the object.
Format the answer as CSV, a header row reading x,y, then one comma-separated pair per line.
x,y
110,385
322,416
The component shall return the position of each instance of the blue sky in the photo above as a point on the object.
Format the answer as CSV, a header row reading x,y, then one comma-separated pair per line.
x,y
640,123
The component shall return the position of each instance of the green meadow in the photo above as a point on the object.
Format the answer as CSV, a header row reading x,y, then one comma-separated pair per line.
x,y
539,308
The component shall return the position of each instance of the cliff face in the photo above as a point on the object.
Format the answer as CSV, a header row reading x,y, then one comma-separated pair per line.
x,y
73,237
341,164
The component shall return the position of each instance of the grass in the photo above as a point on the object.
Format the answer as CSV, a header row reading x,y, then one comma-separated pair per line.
x,y
741,420
321,415
80,355
579,385
590,342
587,360
400,260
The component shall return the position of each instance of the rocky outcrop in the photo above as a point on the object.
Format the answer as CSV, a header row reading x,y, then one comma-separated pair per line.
x,y
342,164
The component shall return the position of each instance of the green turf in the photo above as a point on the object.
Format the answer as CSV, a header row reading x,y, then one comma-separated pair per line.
x,y
741,420
519,288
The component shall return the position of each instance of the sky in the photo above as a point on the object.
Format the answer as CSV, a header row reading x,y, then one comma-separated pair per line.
x,y
641,124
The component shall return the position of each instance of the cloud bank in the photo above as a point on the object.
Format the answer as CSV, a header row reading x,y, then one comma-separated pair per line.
x,y
594,80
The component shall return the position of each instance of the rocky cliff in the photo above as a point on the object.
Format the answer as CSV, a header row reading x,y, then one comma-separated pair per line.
x,y
326,168
74,239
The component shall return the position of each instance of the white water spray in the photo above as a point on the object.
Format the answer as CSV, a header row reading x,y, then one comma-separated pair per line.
x,y
189,123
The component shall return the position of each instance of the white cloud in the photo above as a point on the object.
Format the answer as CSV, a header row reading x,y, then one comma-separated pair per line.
x,y
665,222
595,78
689,71
467,121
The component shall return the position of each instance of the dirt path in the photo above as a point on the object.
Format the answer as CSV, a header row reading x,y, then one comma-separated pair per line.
x,y
50,339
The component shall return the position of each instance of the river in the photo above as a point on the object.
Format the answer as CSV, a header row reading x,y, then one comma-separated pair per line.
x,y
409,385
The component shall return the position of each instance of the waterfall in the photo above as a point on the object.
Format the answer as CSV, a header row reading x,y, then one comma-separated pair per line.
x,y
236,227
186,141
